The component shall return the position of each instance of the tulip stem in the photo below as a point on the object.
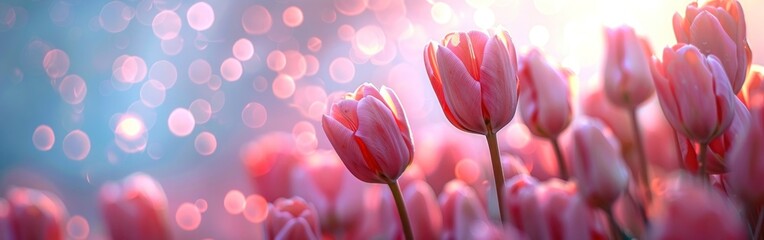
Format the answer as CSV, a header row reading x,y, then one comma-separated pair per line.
x,y
616,232
702,160
405,222
498,172
644,171
560,159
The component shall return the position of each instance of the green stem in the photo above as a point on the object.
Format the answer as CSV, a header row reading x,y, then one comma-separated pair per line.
x,y
560,159
644,171
498,172
702,160
405,222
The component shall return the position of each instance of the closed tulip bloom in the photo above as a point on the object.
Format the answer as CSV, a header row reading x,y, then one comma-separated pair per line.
x,y
462,211
426,218
694,211
747,160
292,219
753,89
370,133
694,93
628,81
34,214
718,28
269,160
474,77
597,165
135,209
544,96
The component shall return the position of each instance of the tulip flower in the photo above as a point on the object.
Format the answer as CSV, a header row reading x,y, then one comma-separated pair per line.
x,y
545,98
34,214
269,161
746,160
628,82
693,211
292,219
598,168
718,28
371,135
135,209
753,89
461,210
695,95
426,218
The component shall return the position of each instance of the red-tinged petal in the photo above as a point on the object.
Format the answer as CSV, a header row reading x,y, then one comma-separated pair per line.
x,y
746,160
296,228
709,36
498,83
665,90
433,71
478,40
544,96
367,89
462,46
392,102
679,29
380,134
693,84
725,99
344,112
461,92
343,141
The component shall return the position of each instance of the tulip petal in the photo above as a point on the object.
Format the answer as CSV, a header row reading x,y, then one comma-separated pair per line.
x,y
432,67
345,113
710,37
343,141
461,92
679,29
392,102
725,99
296,228
382,138
498,82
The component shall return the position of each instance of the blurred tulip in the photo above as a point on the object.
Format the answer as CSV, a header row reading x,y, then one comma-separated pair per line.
x,y
693,211
462,211
596,105
598,168
370,133
34,214
746,160
135,209
269,161
718,28
544,96
753,89
292,218
694,93
474,76
627,77
426,218
719,147
325,183
439,149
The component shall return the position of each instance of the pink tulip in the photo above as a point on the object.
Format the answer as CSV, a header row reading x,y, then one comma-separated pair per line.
x,y
439,149
136,208
719,147
544,96
269,161
596,105
597,165
324,182
462,211
718,28
34,214
370,133
753,89
628,81
693,211
292,218
426,218
746,160
474,77
694,93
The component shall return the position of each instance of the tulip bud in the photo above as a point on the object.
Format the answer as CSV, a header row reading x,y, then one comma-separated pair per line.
x,y
426,218
544,96
292,219
694,93
628,81
746,160
753,89
462,211
34,214
474,76
370,133
135,209
597,165
718,28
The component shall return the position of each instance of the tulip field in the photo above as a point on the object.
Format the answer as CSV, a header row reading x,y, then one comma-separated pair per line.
x,y
381,119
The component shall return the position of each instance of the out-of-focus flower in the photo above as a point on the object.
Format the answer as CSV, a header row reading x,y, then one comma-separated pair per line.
x,y
746,160
597,165
694,92
718,28
269,161
544,96
370,133
136,208
34,214
426,218
462,211
474,76
627,77
325,183
716,159
439,149
753,89
292,218
693,211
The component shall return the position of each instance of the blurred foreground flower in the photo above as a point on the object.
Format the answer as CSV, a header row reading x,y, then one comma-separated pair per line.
x,y
135,209
292,219
33,214
269,161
